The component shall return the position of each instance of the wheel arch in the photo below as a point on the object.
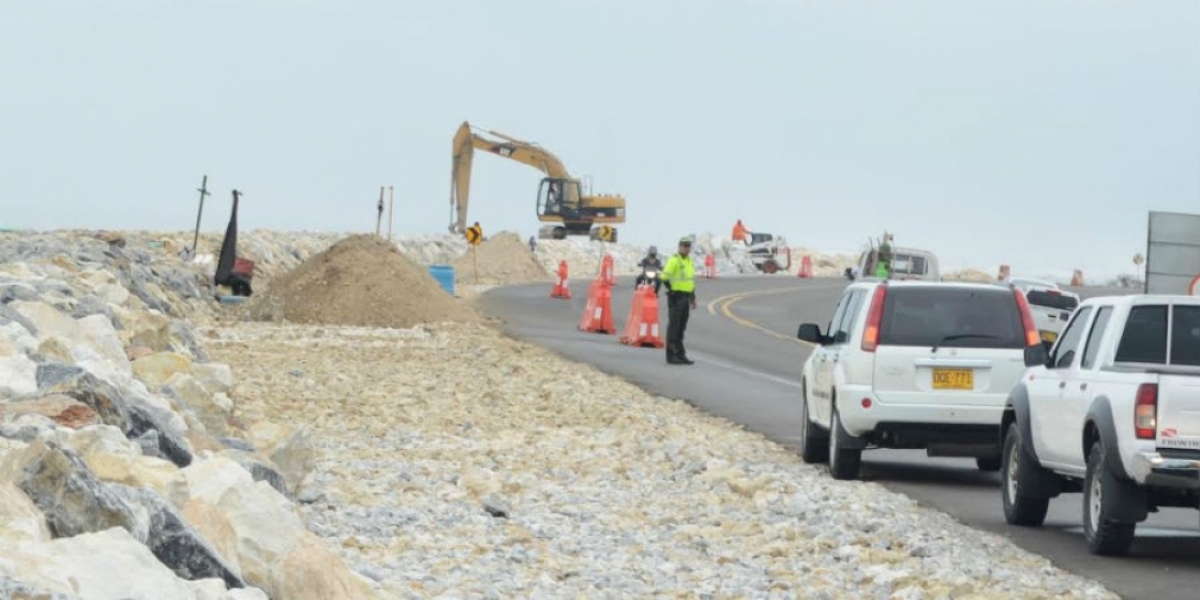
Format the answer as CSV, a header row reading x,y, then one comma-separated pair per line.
x,y
1100,427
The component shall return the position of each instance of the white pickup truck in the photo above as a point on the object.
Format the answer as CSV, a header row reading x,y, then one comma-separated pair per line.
x,y
1115,414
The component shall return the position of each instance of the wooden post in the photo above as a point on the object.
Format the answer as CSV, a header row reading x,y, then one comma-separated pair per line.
x,y
475,262
391,204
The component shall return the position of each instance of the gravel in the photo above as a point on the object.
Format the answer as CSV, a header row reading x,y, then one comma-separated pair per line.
x,y
476,466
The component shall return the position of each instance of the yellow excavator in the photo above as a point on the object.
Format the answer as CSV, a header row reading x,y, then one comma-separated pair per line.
x,y
562,205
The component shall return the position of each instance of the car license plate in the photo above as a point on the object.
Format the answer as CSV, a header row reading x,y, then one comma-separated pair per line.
x,y
953,379
1049,336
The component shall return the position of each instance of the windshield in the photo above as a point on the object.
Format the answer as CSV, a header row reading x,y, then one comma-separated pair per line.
x,y
951,317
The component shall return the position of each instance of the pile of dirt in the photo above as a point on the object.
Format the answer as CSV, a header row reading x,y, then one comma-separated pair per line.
x,y
503,259
362,281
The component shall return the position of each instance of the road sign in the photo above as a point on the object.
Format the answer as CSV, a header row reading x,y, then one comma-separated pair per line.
x,y
605,233
475,235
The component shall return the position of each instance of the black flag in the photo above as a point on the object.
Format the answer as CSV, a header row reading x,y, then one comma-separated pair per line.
x,y
228,247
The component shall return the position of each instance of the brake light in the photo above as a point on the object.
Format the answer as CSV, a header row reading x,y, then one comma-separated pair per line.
x,y
1145,411
870,339
1031,332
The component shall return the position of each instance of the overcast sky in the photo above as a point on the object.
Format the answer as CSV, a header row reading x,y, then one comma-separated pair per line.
x,y
1035,133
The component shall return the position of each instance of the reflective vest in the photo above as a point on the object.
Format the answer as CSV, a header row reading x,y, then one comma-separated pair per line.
x,y
680,274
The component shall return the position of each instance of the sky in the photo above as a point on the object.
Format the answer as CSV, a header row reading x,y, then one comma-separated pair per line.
x,y
1030,133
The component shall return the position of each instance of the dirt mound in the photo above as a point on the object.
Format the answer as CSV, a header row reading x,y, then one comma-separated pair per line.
x,y
363,281
503,260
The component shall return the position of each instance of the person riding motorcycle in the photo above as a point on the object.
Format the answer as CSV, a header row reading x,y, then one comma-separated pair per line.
x,y
651,263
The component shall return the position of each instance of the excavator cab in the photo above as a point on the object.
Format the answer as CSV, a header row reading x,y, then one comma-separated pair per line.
x,y
558,202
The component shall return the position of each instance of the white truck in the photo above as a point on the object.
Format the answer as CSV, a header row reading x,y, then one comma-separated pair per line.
x,y
1114,413
1051,305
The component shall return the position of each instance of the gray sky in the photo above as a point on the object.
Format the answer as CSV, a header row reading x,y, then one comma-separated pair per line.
x,y
1035,133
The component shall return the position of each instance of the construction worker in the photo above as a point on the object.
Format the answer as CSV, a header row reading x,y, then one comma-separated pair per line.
x,y
680,277
739,233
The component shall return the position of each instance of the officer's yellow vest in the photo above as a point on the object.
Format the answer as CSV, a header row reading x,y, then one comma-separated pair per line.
x,y
680,274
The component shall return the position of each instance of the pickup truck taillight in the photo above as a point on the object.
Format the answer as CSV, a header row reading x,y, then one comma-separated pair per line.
x,y
1145,411
870,338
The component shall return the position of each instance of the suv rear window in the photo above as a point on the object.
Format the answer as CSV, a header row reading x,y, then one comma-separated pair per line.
x,y
969,317
1049,300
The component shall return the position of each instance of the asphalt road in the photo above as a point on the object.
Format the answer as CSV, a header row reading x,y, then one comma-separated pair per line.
x,y
747,363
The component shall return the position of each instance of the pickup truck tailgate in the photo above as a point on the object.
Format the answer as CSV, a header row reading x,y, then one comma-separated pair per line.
x,y
1179,412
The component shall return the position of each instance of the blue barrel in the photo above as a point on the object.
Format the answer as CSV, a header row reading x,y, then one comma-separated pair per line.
x,y
444,274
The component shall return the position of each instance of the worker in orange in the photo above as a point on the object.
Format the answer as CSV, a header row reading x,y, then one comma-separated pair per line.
x,y
739,232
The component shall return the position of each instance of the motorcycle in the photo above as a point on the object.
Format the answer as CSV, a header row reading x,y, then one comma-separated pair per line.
x,y
649,277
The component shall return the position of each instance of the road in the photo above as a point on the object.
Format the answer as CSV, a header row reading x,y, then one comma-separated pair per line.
x,y
747,360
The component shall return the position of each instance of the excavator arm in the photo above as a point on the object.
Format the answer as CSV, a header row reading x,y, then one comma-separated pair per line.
x,y
466,140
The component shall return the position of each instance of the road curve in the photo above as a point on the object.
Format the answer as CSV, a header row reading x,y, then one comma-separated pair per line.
x,y
743,340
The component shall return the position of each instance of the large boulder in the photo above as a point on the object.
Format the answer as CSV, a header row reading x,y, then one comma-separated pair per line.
x,y
104,565
175,543
63,410
18,373
289,448
20,519
155,370
146,329
61,485
266,527
115,459
212,410
92,341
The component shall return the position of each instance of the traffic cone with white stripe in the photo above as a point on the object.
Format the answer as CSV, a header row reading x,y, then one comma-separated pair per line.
x,y
597,315
641,330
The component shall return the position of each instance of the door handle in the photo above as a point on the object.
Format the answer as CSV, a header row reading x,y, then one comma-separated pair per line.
x,y
834,358
1062,385
1083,386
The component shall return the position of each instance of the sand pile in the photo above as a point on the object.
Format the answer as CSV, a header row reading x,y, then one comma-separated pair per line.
x,y
503,260
361,281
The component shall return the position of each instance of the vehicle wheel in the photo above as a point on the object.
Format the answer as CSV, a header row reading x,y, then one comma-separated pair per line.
x,y
560,233
989,465
814,447
770,267
1019,509
1104,535
844,463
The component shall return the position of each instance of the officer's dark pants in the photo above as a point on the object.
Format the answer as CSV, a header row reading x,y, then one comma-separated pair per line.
x,y
679,307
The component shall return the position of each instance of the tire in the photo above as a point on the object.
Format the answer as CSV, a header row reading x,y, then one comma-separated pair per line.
x,y
988,465
844,463
770,267
1104,536
814,443
1019,509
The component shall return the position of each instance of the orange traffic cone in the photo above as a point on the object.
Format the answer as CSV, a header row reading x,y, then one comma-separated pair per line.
x,y
710,266
641,329
561,290
805,271
606,270
597,315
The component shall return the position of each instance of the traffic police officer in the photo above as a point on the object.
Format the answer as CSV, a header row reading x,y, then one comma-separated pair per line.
x,y
680,277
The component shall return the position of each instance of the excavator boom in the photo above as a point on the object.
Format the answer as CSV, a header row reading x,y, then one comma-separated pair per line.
x,y
560,199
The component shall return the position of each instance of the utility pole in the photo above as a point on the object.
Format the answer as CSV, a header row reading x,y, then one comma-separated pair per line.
x,y
391,204
203,192
379,212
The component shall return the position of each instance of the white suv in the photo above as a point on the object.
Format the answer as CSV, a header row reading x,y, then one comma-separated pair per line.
x,y
1052,306
915,365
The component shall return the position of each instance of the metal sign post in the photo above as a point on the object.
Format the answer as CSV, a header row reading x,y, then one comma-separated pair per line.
x,y
203,192
379,212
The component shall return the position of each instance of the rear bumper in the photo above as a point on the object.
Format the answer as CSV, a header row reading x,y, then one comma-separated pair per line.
x,y
1156,470
936,422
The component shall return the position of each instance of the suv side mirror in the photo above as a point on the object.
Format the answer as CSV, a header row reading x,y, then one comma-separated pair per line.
x,y
811,333
1037,356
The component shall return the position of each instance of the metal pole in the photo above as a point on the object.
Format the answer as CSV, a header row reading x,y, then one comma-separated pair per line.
x,y
203,192
379,212
391,204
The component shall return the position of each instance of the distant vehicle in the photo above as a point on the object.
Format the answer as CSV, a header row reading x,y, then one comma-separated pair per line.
x,y
907,264
1051,305
770,254
1113,413
914,365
